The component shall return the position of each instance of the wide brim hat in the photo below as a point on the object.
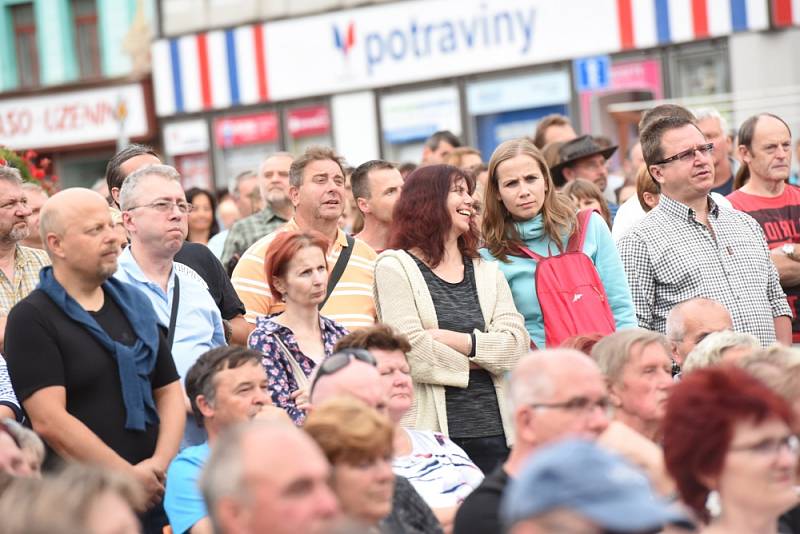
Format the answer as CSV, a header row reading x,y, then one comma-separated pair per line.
x,y
578,148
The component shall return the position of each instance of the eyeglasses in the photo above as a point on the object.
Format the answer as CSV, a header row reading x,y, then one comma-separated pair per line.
x,y
771,447
579,405
688,154
339,361
166,206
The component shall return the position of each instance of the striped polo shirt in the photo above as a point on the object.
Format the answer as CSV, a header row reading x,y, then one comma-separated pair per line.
x,y
351,304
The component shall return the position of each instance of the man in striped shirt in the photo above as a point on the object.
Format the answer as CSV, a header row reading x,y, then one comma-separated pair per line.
x,y
317,189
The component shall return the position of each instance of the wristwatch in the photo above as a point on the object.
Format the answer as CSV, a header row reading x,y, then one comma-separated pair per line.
x,y
788,249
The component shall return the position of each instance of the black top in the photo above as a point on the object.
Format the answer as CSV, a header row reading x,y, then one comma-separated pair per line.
x,y
410,514
203,261
472,412
48,349
480,511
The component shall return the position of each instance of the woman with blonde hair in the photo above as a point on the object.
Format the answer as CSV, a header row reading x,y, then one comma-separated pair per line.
x,y
523,210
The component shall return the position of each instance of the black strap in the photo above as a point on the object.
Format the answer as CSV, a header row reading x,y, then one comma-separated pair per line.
x,y
338,269
173,317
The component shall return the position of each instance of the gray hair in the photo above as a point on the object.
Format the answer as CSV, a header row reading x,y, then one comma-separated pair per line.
x,y
10,174
711,113
778,367
30,186
613,352
223,474
532,379
128,190
233,185
676,324
711,350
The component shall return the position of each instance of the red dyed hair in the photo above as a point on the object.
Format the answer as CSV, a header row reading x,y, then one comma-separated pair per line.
x,y
421,218
282,250
582,342
702,411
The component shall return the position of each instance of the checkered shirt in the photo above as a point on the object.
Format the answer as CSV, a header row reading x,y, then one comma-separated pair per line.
x,y
670,257
27,264
247,231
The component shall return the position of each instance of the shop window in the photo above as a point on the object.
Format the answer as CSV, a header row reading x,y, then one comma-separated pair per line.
x,y
700,72
24,25
84,16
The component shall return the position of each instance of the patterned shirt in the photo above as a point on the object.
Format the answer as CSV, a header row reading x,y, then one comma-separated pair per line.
x,y
247,231
7,396
352,303
670,257
280,377
27,264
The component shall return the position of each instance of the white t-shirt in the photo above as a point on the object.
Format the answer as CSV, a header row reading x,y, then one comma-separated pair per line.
x,y
439,470
630,213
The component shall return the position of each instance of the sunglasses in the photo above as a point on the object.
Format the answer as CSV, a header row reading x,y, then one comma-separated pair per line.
x,y
339,361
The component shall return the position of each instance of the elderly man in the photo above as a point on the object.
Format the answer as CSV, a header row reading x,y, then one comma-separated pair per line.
x,y
715,129
689,246
36,198
88,360
689,322
155,214
191,256
638,371
317,192
273,182
553,393
226,386
765,149
19,265
268,477
376,187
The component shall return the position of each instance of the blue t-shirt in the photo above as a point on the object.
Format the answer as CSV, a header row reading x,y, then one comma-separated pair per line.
x,y
183,500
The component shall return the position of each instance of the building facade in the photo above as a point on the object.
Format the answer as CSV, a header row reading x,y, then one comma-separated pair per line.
x,y
74,81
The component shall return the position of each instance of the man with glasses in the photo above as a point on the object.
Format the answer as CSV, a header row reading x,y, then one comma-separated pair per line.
x,y
155,214
765,148
552,394
689,246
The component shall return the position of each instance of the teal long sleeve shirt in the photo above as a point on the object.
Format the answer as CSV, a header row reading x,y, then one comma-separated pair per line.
x,y
599,246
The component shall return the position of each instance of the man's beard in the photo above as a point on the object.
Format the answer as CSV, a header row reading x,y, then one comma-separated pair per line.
x,y
277,198
18,233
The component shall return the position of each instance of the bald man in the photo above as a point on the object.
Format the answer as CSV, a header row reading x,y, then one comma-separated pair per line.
x,y
689,322
88,360
553,394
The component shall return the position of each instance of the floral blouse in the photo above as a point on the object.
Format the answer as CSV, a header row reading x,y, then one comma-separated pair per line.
x,y
280,378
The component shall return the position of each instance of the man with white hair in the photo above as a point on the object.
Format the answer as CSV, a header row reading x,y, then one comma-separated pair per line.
x,y
715,128
553,393
689,322
721,347
155,214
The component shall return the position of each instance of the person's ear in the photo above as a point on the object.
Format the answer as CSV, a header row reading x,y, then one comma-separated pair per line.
x,y
363,206
657,173
744,154
204,406
294,195
568,174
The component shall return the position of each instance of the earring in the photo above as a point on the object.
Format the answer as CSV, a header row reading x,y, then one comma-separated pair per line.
x,y
713,504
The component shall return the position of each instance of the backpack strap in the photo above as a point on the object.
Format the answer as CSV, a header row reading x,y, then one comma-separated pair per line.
x,y
531,254
338,269
575,243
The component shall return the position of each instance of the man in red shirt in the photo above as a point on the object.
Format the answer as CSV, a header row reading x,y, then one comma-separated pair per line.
x,y
765,149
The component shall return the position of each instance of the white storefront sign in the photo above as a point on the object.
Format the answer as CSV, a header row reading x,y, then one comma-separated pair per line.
x,y
73,118
411,41
416,115
186,137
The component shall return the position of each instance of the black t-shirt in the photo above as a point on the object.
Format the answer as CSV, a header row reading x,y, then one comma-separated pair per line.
x,y
204,263
480,511
45,348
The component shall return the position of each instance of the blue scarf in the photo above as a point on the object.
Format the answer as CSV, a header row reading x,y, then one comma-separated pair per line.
x,y
136,362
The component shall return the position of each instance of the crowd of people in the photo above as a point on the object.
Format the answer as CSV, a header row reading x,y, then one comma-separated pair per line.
x,y
529,344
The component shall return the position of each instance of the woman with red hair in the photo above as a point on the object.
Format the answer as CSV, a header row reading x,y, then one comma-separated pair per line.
x,y
295,341
729,447
455,309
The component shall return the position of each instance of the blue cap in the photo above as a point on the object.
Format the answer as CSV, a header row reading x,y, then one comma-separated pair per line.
x,y
582,477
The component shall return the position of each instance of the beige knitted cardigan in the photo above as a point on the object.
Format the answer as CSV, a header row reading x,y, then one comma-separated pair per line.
x,y
403,301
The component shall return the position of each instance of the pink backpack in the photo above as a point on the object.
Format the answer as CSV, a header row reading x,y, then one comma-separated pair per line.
x,y
570,292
